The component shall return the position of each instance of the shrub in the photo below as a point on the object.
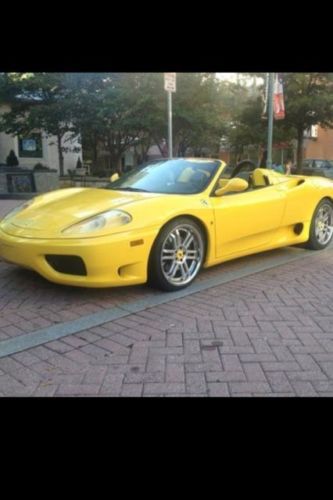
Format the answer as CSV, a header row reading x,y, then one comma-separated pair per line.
x,y
79,163
12,160
39,167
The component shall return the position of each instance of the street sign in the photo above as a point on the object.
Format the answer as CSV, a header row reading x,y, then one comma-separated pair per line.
x,y
170,82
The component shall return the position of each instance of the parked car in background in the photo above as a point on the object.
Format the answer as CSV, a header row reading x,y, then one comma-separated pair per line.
x,y
317,167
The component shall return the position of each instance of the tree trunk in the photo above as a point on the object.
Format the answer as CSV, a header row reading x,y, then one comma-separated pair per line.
x,y
300,141
182,149
61,155
115,162
95,148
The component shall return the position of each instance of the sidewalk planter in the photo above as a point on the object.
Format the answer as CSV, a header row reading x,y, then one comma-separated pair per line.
x,y
46,181
83,181
25,183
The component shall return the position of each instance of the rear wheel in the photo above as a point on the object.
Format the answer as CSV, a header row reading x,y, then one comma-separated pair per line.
x,y
177,255
321,229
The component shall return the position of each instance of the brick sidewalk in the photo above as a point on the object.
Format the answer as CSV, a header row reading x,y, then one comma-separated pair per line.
x,y
268,334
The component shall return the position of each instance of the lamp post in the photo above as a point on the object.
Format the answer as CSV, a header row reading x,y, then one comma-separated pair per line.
x,y
270,119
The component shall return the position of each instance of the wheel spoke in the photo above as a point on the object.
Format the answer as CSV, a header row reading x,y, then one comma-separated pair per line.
x,y
178,238
186,268
173,240
188,240
173,269
192,254
183,270
168,257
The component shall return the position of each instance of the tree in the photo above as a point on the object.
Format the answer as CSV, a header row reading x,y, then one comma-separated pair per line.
x,y
249,129
308,101
113,112
110,111
198,114
38,101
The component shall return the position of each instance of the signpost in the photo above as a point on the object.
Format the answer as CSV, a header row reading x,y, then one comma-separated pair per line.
x,y
170,86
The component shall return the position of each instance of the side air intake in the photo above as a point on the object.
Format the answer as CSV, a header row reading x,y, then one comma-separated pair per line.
x,y
298,228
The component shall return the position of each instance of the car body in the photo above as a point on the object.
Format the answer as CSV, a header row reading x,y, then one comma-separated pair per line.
x,y
317,167
182,213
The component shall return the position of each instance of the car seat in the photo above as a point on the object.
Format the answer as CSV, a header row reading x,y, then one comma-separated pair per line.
x,y
199,179
259,179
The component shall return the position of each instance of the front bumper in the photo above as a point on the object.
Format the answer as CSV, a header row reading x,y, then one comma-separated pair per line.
x,y
114,260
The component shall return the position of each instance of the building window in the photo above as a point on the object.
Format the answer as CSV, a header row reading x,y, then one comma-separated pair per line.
x,y
30,146
311,132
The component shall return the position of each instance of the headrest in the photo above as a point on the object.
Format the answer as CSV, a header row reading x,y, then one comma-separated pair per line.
x,y
259,178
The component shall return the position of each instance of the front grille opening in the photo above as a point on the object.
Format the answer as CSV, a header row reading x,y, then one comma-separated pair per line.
x,y
67,264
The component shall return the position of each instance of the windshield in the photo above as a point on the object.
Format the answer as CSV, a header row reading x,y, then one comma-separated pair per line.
x,y
179,176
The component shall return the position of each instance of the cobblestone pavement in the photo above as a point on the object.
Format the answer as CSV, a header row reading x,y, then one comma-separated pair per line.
x,y
267,334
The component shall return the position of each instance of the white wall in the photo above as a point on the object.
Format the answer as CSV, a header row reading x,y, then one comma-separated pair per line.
x,y
70,158
50,152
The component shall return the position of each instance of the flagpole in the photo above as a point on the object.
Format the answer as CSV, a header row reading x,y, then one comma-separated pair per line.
x,y
270,119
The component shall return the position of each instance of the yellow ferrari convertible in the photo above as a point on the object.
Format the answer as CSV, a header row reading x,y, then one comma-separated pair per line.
x,y
163,222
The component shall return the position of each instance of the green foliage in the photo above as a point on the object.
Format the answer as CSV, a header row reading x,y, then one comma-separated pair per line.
x,y
308,101
198,119
12,160
38,101
115,111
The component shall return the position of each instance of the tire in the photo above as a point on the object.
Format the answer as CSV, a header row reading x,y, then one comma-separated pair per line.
x,y
177,255
321,229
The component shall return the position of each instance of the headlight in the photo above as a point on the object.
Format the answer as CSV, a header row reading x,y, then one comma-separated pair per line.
x,y
106,220
17,210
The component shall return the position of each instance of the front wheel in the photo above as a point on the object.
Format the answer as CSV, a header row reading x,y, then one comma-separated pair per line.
x,y
321,229
177,255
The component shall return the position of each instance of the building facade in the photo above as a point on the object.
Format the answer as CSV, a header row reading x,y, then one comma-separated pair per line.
x,y
318,144
39,148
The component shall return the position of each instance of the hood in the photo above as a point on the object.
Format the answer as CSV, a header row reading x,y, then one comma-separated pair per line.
x,y
49,214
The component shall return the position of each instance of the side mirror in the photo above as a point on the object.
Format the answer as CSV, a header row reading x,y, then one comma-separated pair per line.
x,y
235,185
114,177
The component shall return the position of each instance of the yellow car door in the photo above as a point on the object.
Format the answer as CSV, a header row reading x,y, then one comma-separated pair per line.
x,y
247,220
